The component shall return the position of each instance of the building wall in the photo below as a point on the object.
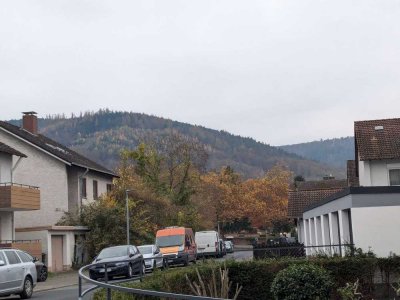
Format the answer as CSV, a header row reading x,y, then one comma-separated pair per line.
x,y
45,237
5,167
102,182
377,228
6,225
376,173
49,174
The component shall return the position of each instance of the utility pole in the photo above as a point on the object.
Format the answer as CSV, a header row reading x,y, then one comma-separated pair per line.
x,y
127,217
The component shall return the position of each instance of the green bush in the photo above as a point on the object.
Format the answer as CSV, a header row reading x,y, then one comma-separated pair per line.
x,y
302,282
257,276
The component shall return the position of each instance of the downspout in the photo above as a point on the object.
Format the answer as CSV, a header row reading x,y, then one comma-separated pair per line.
x,y
81,187
14,167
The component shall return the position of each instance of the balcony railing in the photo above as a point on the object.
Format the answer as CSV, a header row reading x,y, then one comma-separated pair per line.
x,y
15,196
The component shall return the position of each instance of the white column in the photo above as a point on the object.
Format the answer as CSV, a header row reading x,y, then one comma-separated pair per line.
x,y
312,235
326,239
334,231
344,225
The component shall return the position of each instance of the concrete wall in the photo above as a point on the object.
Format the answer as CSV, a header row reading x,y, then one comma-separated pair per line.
x,y
49,174
376,173
5,167
377,228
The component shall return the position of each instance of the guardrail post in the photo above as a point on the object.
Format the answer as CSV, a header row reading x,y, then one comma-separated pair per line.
x,y
106,281
80,287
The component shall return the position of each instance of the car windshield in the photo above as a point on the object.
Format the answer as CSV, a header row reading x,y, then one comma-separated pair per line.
x,y
113,252
170,240
146,249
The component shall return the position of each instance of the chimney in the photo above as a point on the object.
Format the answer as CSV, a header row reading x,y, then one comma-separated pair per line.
x,y
29,122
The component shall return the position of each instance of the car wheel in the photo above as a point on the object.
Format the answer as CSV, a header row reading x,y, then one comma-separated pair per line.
x,y
186,261
28,289
43,274
130,271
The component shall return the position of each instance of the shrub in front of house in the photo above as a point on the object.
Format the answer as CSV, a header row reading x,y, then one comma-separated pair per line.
x,y
257,276
302,282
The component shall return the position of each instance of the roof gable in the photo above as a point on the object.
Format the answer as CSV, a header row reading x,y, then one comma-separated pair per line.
x,y
377,139
56,149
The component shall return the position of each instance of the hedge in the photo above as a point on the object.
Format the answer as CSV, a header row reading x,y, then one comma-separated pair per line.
x,y
257,276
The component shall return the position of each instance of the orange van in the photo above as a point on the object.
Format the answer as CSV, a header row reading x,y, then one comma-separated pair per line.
x,y
177,245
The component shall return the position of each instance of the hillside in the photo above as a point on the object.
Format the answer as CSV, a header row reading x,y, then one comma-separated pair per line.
x,y
333,152
102,135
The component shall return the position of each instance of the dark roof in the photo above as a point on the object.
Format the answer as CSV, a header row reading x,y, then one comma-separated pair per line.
x,y
359,190
7,149
377,139
319,184
306,193
56,149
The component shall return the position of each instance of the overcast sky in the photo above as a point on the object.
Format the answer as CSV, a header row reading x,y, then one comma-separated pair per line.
x,y
280,71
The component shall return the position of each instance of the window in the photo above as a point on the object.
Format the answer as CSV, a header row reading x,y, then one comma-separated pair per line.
x,y
394,176
84,195
25,257
95,190
2,257
109,187
12,257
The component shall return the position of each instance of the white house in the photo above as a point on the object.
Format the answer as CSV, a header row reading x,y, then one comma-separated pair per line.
x,y
366,216
66,180
13,196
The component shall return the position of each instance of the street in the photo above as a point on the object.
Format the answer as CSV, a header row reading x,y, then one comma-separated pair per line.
x,y
71,292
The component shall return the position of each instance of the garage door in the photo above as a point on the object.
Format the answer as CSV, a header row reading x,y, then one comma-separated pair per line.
x,y
57,253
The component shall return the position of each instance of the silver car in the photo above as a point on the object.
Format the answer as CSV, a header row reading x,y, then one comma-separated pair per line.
x,y
17,273
153,258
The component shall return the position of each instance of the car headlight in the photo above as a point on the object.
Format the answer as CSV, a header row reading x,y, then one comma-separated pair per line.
x,y
121,264
181,248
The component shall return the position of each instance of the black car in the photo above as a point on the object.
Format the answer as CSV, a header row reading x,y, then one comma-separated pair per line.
x,y
41,268
124,261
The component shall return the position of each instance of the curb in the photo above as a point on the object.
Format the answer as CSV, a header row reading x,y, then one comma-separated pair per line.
x,y
53,288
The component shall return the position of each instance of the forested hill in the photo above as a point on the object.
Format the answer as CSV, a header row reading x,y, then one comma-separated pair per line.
x,y
102,135
333,152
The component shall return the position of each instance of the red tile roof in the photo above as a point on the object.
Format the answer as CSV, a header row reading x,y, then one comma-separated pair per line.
x,y
377,139
306,193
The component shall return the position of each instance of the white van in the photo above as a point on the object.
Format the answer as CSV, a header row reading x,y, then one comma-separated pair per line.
x,y
208,243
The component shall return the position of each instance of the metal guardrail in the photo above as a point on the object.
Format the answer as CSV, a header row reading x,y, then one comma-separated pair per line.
x,y
19,184
108,286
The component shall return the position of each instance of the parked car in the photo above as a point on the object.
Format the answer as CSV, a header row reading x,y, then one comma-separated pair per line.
x,y
208,243
17,273
123,260
152,256
229,246
41,268
177,244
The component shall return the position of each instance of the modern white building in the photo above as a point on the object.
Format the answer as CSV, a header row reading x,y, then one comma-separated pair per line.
x,y
366,216
66,180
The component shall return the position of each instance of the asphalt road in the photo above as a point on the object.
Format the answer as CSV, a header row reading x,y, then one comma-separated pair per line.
x,y
71,292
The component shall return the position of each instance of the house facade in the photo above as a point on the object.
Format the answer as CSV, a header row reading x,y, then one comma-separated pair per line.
x,y
66,181
364,214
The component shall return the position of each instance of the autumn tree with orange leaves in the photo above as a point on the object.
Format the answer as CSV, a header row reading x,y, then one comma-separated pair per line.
x,y
267,198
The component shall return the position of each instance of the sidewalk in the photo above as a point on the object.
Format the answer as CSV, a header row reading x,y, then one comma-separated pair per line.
x,y
58,280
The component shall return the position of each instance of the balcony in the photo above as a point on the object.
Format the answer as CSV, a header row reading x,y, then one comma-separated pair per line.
x,y
19,197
